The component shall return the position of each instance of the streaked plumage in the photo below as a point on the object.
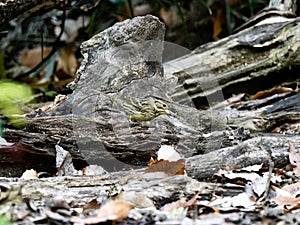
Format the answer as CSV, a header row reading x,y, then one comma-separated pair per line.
x,y
141,110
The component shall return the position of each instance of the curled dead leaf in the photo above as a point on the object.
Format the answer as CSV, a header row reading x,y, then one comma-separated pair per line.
x,y
170,168
115,210
268,93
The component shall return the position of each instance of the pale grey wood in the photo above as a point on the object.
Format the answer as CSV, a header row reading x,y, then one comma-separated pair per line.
x,y
97,131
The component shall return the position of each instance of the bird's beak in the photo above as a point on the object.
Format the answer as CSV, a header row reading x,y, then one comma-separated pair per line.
x,y
169,112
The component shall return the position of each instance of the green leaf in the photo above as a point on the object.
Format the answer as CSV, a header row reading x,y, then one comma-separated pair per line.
x,y
4,220
12,95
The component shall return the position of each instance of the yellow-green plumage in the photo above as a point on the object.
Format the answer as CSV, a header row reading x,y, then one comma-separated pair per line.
x,y
141,110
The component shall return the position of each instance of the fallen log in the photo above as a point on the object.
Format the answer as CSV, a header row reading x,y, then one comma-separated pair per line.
x,y
125,62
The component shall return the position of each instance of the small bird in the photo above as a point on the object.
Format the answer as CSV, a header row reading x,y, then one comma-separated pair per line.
x,y
142,109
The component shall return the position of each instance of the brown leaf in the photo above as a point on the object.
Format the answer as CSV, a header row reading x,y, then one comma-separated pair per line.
x,y
175,205
152,161
67,63
284,200
170,16
294,157
32,57
292,188
218,21
115,210
183,202
265,94
170,168
93,204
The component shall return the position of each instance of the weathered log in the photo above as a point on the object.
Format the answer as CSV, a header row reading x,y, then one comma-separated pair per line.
x,y
125,62
232,66
86,188
251,152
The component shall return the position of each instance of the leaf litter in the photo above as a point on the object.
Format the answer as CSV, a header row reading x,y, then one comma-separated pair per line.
x,y
266,195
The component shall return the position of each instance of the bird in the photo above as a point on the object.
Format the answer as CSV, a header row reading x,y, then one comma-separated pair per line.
x,y
140,110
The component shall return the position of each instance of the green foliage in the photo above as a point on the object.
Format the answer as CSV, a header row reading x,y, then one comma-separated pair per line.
x,y
48,92
12,96
4,220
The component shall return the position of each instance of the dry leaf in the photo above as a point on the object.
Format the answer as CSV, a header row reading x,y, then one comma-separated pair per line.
x,y
276,130
293,207
242,175
175,205
229,203
243,200
32,57
29,174
170,168
294,158
170,16
3,142
115,210
93,170
280,192
183,202
284,200
93,204
136,199
218,21
293,189
265,94
167,152
152,161
253,168
67,63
